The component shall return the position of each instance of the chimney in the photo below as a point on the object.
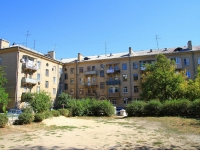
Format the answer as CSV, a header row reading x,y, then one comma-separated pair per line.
x,y
52,54
150,50
189,45
4,44
80,57
130,51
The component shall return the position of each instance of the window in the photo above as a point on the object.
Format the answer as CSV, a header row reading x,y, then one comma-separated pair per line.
x,y
135,77
125,100
101,73
54,91
135,65
125,90
186,61
47,72
88,68
54,69
93,79
81,91
111,89
47,84
102,85
136,89
116,67
66,86
198,61
71,81
66,76
124,66
177,60
116,89
72,91
81,81
93,68
0,61
72,70
38,64
60,70
188,74
38,89
47,64
54,80
80,69
125,77
114,102
65,69
38,77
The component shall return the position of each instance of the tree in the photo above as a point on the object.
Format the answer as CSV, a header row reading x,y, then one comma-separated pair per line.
x,y
3,95
160,81
63,99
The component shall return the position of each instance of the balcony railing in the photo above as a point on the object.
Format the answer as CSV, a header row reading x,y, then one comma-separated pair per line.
x,y
113,82
110,71
28,66
110,94
91,95
94,72
90,84
29,81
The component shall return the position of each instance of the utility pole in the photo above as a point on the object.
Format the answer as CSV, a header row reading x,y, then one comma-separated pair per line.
x,y
157,41
27,34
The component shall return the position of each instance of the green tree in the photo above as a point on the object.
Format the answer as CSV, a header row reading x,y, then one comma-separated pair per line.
x,y
63,99
160,81
3,95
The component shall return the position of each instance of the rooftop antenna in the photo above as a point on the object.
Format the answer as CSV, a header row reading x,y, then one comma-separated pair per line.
x,y
34,45
157,41
27,34
105,48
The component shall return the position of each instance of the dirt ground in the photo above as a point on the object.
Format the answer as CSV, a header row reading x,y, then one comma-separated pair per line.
x,y
95,133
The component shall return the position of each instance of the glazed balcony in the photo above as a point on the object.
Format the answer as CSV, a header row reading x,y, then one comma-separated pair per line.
x,y
113,82
29,67
29,81
112,71
110,94
94,72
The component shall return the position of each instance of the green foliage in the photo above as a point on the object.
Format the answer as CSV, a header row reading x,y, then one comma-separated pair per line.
x,y
136,108
153,108
26,118
28,110
28,97
3,120
39,117
55,113
63,98
76,107
194,108
64,112
160,81
47,114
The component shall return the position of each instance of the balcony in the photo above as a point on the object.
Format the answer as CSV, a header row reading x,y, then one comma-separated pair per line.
x,y
29,81
142,68
112,71
89,84
29,66
94,72
113,82
110,94
91,95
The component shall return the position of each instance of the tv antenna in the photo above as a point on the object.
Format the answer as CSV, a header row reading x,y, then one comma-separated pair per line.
x,y
27,34
157,41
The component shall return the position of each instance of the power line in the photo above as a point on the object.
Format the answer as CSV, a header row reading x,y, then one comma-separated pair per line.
x,y
27,34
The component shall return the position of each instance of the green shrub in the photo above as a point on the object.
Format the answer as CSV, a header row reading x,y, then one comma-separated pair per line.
x,y
136,108
106,107
76,107
39,117
3,120
47,114
55,113
64,112
194,108
26,118
153,108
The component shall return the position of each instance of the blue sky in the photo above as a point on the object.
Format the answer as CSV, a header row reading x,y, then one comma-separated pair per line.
x,y
84,26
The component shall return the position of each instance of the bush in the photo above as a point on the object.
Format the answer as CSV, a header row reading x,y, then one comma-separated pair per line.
x,y
153,108
26,118
194,108
136,108
39,117
64,112
3,120
55,113
76,107
47,114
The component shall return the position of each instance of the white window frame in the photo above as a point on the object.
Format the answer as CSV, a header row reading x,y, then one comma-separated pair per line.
x,y
38,77
125,89
54,91
54,80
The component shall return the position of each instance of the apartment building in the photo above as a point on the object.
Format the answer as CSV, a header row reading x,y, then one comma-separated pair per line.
x,y
29,71
114,77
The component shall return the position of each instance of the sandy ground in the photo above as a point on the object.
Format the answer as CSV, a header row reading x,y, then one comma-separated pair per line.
x,y
95,133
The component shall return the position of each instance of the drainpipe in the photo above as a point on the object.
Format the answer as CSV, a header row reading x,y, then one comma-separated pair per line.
x,y
130,71
16,88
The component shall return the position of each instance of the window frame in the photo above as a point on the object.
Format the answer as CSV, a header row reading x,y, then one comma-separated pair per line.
x,y
46,84
125,89
125,77
124,66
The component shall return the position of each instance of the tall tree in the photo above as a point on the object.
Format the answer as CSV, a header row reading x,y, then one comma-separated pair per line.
x,y
160,81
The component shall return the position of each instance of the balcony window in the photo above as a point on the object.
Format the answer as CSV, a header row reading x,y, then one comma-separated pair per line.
x,y
47,72
116,67
81,91
81,81
80,69
111,89
47,84
71,81
72,70
116,89
93,68
135,65
66,86
102,85
66,76
186,61
101,73
124,66
93,79
88,68
72,91
125,77
136,89
135,77
125,90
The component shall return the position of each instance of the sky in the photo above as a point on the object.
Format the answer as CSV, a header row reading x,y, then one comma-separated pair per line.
x,y
99,27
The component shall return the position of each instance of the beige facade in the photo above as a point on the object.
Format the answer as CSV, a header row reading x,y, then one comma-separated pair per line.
x,y
114,77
